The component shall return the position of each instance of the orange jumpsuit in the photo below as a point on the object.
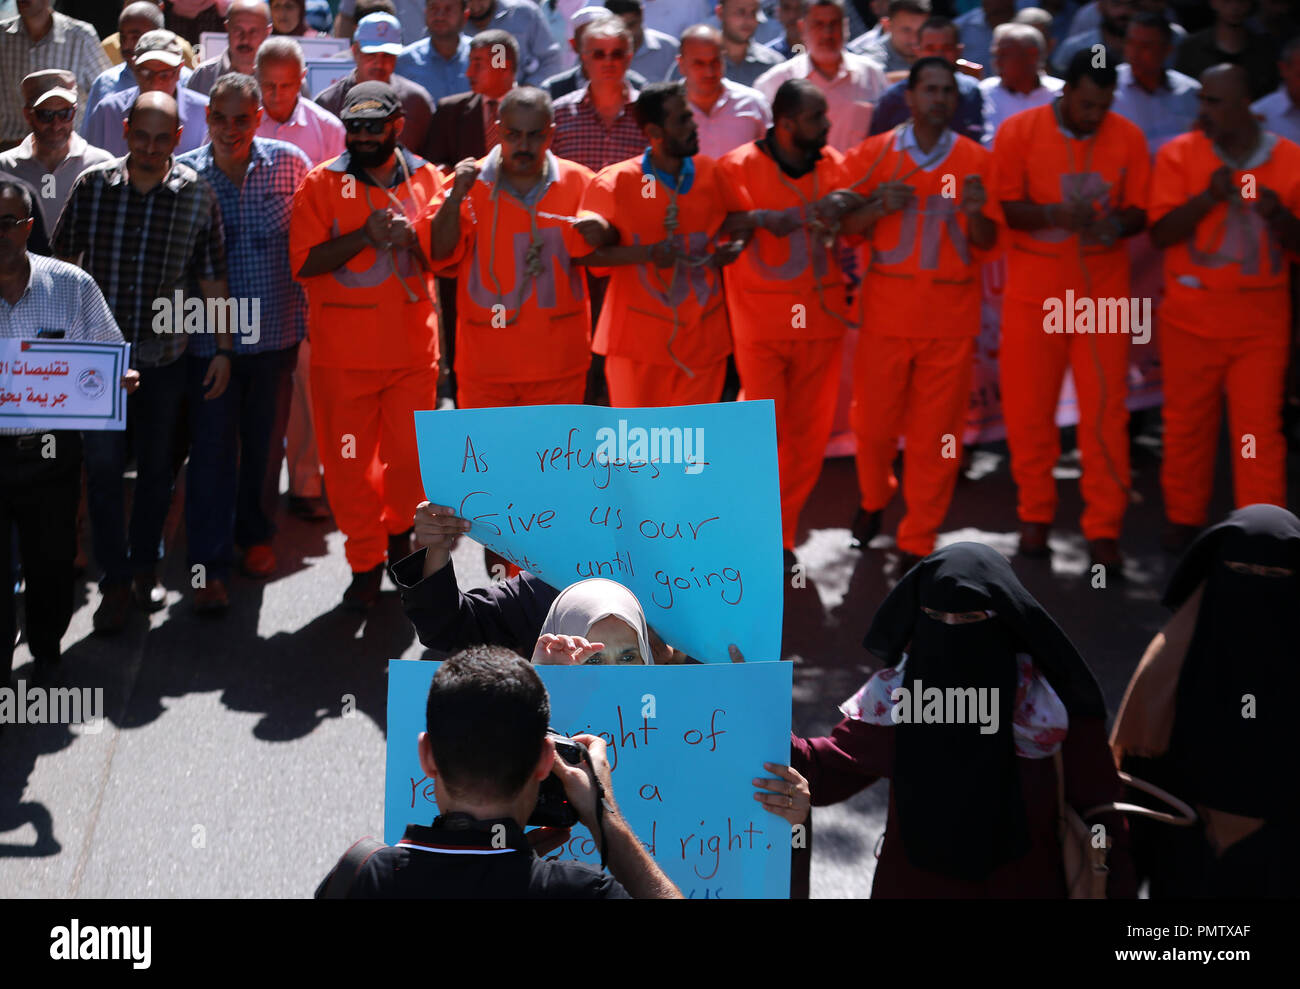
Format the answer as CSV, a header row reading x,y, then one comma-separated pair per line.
x,y
786,299
663,331
1224,328
1035,160
921,315
374,354
523,334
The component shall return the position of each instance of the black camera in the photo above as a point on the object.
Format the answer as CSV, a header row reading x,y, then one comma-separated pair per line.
x,y
553,809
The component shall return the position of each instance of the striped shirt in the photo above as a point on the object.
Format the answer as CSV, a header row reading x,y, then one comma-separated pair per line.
x,y
255,221
69,44
60,302
139,248
581,134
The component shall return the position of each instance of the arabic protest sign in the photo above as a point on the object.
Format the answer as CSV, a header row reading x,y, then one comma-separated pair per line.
x,y
681,505
685,742
62,384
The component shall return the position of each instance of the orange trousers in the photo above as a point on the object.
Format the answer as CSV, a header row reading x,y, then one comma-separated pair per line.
x,y
802,378
1032,367
1199,371
474,394
917,388
635,384
365,434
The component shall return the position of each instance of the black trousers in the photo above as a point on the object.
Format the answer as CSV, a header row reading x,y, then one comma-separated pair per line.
x,y
40,487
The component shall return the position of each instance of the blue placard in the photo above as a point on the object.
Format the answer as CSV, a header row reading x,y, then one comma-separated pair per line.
x,y
681,505
683,778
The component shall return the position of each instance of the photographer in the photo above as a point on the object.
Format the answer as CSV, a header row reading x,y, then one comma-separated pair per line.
x,y
488,752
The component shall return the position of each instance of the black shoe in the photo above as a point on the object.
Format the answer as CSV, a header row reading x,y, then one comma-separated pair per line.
x,y
147,594
1033,540
866,526
1105,553
399,546
364,589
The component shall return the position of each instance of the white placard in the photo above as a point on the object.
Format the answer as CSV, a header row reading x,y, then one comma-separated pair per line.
x,y
62,384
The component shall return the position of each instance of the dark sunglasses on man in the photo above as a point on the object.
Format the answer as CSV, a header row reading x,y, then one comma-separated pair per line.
x,y
49,116
369,126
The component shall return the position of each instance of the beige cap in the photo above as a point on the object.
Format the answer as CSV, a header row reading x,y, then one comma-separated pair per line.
x,y
159,46
48,84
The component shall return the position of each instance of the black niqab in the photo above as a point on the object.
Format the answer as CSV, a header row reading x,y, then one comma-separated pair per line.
x,y
960,809
1245,648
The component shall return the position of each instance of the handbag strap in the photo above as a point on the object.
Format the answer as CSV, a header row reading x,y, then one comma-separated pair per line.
x,y
1184,818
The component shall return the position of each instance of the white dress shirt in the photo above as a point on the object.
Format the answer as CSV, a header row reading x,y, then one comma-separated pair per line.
x,y
850,96
1000,102
741,115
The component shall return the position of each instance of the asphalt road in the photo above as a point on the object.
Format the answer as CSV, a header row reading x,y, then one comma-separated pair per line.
x,y
226,768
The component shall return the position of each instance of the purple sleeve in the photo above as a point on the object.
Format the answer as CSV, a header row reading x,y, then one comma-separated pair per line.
x,y
851,759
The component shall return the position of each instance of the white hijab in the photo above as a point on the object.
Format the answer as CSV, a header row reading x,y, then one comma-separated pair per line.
x,y
581,605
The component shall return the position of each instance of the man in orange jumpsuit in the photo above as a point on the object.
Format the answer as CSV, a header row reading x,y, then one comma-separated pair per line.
x,y
785,293
359,241
664,326
510,219
1224,202
930,227
1072,178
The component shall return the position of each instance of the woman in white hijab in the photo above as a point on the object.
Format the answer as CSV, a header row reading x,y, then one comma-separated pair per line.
x,y
594,622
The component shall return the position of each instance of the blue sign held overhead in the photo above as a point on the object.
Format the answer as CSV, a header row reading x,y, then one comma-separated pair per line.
x,y
681,505
685,743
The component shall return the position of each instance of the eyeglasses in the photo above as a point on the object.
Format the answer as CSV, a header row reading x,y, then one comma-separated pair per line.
x,y
8,223
369,126
599,54
49,116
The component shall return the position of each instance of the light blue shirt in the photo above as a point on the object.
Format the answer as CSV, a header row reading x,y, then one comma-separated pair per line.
x,y
539,55
657,56
440,76
103,128
114,80
1163,115
1281,116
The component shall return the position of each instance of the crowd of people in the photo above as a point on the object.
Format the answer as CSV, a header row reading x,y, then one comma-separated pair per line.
x,y
659,203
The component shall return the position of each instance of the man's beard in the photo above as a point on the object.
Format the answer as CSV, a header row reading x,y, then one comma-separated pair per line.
x,y
810,145
370,159
683,149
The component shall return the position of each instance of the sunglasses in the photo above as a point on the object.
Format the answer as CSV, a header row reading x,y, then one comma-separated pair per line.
x,y
369,126
600,54
8,223
49,116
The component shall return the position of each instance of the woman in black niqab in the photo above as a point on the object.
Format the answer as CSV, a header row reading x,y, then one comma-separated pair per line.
x,y
957,789
1233,728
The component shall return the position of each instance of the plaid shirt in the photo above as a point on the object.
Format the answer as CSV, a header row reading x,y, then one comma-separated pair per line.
x,y
581,135
255,219
60,302
139,248
70,44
